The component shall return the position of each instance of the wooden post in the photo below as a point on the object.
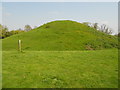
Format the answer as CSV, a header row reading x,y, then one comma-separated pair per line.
x,y
19,45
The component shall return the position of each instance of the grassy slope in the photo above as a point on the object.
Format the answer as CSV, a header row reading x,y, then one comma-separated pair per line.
x,y
60,36
41,69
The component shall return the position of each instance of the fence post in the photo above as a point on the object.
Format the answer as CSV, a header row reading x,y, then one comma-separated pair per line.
x,y
19,45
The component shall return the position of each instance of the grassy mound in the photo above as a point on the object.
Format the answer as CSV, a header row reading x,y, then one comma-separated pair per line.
x,y
60,36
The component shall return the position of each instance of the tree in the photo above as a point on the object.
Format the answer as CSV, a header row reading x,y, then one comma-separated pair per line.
x,y
119,34
35,27
95,25
104,28
20,29
86,23
3,31
27,28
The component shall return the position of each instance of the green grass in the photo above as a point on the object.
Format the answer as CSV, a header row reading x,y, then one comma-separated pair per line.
x,y
0,64
55,56
60,36
60,69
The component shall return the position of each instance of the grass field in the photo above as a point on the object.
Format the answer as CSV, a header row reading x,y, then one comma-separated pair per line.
x,y
60,69
61,54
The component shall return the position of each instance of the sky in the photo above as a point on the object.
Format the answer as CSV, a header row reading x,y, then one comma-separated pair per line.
x,y
59,0
0,13
16,15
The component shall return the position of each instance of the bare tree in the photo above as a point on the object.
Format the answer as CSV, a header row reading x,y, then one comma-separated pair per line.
x,y
20,29
104,28
119,34
27,28
87,24
95,25
35,27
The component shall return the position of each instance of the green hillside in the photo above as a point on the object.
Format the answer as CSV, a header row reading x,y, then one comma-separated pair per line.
x,y
59,36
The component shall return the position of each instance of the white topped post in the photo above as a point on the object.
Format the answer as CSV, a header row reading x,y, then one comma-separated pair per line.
x,y
19,45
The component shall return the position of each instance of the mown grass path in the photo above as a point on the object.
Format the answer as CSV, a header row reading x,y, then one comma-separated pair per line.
x,y
60,69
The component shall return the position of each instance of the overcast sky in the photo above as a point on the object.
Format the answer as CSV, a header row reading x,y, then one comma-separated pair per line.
x,y
18,14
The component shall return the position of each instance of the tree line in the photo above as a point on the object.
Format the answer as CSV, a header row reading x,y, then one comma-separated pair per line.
x,y
103,28
5,32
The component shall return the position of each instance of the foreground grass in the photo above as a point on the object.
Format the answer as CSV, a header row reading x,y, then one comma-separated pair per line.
x,y
57,69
